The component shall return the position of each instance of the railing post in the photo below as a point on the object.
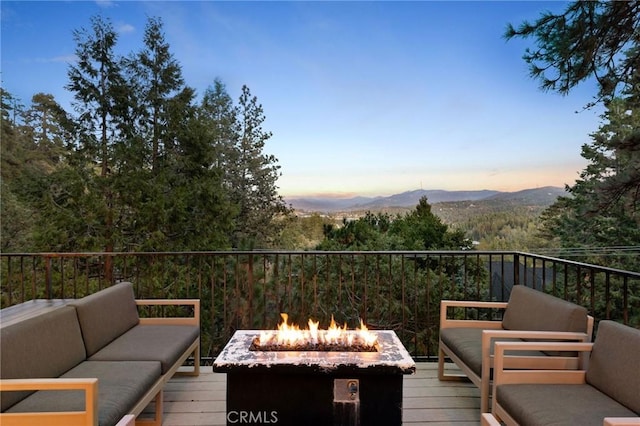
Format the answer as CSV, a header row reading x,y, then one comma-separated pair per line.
x,y
47,275
250,282
516,269
9,278
108,270
625,300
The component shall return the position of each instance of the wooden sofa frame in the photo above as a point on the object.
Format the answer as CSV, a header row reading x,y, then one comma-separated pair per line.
x,y
492,330
488,419
503,374
90,386
156,392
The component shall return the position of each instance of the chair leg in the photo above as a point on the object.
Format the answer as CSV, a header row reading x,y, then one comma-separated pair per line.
x,y
196,362
440,364
485,388
196,365
157,415
484,396
441,374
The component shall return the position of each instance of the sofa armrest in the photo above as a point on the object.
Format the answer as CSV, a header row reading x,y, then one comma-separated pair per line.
x,y
527,361
502,374
621,421
445,322
487,419
88,417
128,420
190,320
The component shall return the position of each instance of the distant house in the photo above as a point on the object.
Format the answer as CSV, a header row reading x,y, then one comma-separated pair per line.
x,y
502,278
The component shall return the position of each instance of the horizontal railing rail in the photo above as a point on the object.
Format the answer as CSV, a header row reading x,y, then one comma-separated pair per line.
x,y
397,290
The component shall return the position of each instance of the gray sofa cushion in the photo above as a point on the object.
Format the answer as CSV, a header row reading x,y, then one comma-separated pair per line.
x,y
614,365
105,315
559,405
164,343
530,309
120,386
44,346
466,343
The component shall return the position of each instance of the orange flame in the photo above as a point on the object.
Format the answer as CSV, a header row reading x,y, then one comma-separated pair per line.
x,y
291,334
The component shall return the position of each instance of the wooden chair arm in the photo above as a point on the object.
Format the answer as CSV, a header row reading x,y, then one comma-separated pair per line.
x,y
88,417
445,322
88,384
528,361
487,419
191,320
501,347
544,336
128,420
502,374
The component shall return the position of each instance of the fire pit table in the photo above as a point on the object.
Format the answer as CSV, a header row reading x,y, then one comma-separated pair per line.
x,y
312,387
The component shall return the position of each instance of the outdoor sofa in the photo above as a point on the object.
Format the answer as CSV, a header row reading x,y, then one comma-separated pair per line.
x,y
529,314
115,362
606,392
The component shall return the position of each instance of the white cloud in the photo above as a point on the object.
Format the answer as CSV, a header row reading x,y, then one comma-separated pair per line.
x,y
63,58
126,28
105,3
54,59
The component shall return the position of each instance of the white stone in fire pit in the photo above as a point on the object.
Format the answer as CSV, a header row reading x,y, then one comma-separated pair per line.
x,y
391,357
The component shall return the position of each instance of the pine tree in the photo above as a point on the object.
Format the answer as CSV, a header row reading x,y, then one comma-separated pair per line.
x,y
200,212
48,127
100,91
81,208
596,39
159,80
253,179
16,215
604,207
218,111
148,148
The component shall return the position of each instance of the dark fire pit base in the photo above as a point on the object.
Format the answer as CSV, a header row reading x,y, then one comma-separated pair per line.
x,y
312,387
299,399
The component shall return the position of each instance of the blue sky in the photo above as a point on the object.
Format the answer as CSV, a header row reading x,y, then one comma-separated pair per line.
x,y
366,98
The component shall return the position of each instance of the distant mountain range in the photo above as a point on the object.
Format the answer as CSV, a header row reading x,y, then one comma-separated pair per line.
x,y
536,196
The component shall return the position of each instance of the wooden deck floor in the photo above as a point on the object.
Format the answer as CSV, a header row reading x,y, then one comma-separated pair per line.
x,y
200,401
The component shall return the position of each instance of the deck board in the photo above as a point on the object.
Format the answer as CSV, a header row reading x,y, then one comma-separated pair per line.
x,y
200,401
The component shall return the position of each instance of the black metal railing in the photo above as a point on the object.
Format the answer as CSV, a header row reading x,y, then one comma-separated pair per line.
x,y
398,290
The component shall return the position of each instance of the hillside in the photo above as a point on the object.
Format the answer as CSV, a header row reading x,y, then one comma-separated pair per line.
x,y
540,197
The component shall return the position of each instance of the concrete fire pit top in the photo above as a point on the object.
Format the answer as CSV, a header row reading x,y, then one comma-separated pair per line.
x,y
392,357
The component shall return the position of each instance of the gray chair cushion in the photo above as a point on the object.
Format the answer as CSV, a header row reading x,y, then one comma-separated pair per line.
x,y
106,315
466,343
614,366
44,346
163,343
559,405
120,386
530,309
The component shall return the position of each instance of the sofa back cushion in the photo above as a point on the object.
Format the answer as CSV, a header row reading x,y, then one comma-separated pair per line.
x,y
44,346
106,315
614,365
530,309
